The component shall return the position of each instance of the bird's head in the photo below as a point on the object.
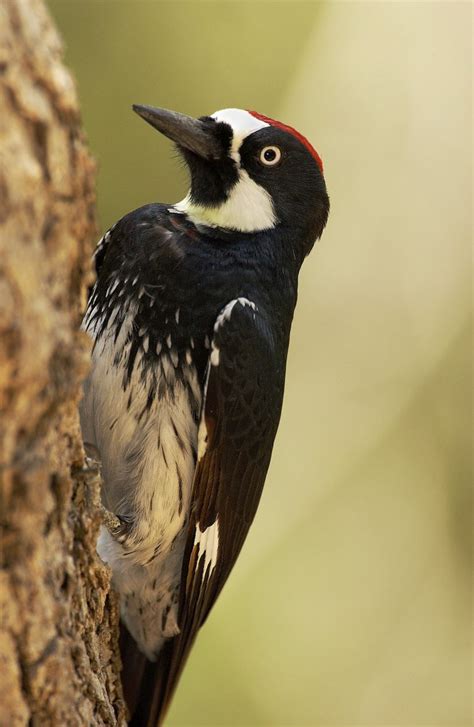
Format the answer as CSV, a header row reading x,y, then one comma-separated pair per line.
x,y
248,172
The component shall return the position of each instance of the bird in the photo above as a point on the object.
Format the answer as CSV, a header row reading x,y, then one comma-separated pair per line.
x,y
190,317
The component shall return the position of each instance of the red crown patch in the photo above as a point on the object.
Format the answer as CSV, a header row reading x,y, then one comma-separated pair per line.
x,y
294,133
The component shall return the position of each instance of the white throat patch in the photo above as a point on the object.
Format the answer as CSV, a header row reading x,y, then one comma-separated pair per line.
x,y
249,207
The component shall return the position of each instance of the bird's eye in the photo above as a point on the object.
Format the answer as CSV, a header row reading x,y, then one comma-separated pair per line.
x,y
270,155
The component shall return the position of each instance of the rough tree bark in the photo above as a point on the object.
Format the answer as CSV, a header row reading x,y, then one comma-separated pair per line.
x,y
59,661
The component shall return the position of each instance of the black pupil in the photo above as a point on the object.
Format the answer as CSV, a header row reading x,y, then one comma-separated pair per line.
x,y
269,155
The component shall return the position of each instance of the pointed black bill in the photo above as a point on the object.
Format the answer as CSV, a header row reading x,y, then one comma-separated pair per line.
x,y
190,133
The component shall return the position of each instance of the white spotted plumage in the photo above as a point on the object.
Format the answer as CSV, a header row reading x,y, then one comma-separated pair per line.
x,y
132,465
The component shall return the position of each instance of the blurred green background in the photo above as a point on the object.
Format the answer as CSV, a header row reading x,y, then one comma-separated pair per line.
x,y
350,604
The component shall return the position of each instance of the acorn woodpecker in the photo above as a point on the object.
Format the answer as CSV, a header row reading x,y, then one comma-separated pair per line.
x,y
190,317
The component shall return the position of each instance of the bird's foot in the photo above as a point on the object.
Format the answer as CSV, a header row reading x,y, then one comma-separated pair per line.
x,y
118,526
110,520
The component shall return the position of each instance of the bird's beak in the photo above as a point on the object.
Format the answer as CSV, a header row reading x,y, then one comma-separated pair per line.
x,y
192,134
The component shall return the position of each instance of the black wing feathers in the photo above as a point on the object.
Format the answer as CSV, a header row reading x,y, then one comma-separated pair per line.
x,y
242,406
241,413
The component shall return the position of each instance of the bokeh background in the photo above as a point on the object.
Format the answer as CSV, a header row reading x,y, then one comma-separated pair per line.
x,y
351,602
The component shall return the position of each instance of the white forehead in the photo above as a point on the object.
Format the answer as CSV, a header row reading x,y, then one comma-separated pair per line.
x,y
243,124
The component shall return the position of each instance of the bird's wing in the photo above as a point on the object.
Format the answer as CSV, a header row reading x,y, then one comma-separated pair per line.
x,y
241,410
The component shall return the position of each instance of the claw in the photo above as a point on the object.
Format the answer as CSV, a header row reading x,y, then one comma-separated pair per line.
x,y
118,526
113,524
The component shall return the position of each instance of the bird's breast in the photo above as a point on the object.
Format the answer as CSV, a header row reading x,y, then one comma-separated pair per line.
x,y
143,420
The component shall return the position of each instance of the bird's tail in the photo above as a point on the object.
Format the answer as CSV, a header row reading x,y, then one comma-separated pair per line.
x,y
149,686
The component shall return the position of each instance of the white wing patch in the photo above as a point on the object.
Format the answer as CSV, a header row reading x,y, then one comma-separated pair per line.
x,y
224,316
207,541
226,312
202,439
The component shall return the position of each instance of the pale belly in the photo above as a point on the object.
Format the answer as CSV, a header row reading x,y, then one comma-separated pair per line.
x,y
148,452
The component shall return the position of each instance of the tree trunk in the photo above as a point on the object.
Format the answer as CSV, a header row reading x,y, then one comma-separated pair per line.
x,y
59,660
